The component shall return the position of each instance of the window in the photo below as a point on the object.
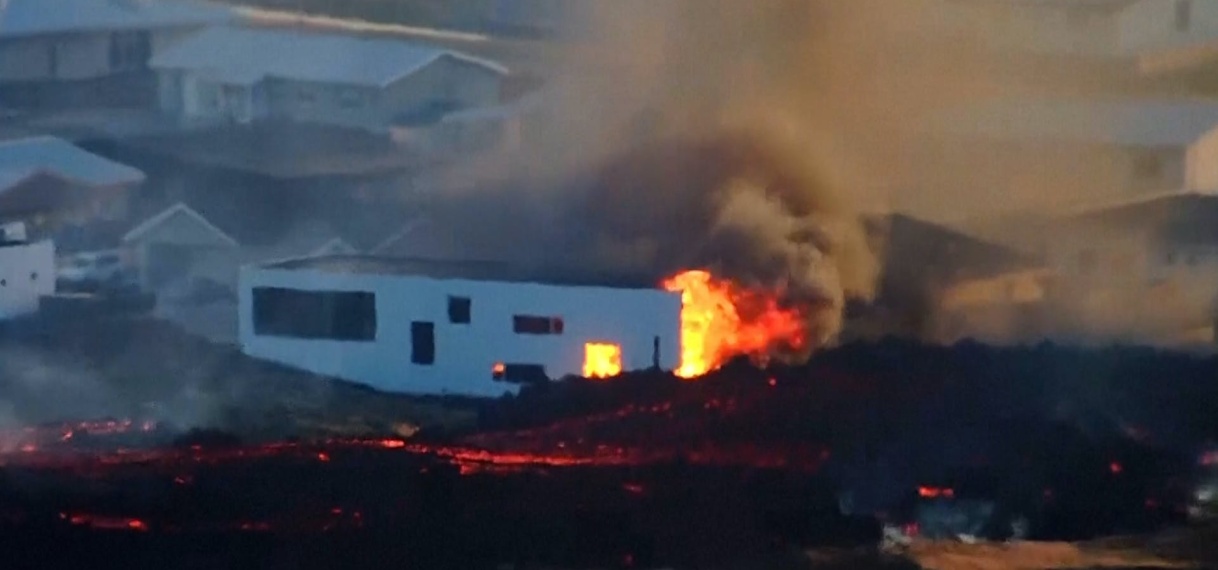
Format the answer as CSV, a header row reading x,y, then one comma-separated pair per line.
x,y
305,95
1148,167
1184,15
459,310
519,373
351,99
129,50
318,315
423,342
525,324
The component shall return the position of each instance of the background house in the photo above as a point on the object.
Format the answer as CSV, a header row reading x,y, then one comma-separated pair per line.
x,y
1060,151
52,184
244,75
69,53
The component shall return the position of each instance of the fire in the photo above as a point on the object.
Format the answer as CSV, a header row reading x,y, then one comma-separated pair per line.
x,y
602,360
721,320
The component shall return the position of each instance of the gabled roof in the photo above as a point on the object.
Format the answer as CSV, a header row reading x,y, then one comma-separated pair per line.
x,y
1179,217
177,210
33,17
1124,122
22,159
928,251
246,55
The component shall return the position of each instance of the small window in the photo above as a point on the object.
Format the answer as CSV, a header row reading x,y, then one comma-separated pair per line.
x,y
34,276
423,343
1184,15
351,99
459,310
3,282
525,324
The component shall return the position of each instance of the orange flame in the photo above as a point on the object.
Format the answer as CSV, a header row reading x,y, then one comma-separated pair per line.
x,y
721,320
602,360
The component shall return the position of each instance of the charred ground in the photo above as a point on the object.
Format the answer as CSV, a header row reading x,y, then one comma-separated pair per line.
x,y
746,466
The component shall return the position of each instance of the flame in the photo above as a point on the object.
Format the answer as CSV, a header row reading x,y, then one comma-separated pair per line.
x,y
721,320
602,360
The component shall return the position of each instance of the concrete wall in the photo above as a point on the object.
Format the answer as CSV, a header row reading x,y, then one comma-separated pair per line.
x,y
466,353
27,272
1151,24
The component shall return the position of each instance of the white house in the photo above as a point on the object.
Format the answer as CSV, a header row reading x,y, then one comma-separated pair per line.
x,y
443,327
1084,148
27,272
47,181
66,52
243,75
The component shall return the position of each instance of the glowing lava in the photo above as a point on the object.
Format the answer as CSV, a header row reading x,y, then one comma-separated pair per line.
x,y
721,320
602,360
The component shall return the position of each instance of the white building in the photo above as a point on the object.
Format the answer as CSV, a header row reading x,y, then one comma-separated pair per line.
x,y
244,75
27,272
1115,147
436,327
70,52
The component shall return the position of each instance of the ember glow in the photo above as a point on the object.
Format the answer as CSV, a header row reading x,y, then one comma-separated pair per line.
x,y
602,360
721,320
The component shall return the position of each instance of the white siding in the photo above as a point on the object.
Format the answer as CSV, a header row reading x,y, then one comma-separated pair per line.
x,y
1151,24
1203,164
466,353
82,56
24,60
27,272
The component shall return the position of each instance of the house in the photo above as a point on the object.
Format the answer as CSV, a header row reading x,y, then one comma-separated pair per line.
x,y
1157,25
168,245
50,183
449,327
1143,269
244,75
1060,149
27,272
939,284
1086,28
93,53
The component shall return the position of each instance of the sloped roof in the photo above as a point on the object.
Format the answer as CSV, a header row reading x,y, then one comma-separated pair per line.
x,y
933,252
21,159
244,55
177,210
1127,122
33,17
1180,217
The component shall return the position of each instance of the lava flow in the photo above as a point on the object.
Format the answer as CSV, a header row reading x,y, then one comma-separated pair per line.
x,y
721,320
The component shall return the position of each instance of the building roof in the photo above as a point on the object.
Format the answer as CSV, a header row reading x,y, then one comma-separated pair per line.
x,y
34,17
176,211
21,159
1132,122
930,252
474,270
247,55
1180,217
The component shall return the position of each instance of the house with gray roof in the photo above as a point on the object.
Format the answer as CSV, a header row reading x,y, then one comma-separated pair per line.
x,y
69,53
49,182
243,75
1081,149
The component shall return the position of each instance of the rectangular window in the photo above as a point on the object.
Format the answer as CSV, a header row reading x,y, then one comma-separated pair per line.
x,y
317,315
459,310
351,99
423,342
1184,15
526,324
519,373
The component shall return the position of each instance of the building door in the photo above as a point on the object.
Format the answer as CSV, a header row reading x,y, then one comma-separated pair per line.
x,y
422,342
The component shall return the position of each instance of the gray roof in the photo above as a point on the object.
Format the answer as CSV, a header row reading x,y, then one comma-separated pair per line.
x,y
1135,123
245,56
473,270
33,17
22,158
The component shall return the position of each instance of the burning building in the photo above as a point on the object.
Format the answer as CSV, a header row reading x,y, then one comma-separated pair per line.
x,y
444,327
27,271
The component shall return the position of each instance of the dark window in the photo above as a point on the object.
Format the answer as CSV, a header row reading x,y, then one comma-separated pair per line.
x,y
519,373
1184,15
34,276
422,342
525,324
459,310
330,315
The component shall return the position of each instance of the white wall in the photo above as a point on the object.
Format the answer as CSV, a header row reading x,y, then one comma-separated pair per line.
x,y
1203,164
465,354
27,272
1151,24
